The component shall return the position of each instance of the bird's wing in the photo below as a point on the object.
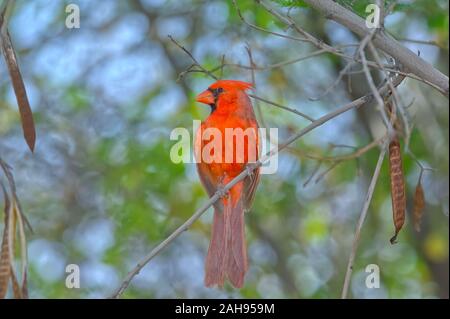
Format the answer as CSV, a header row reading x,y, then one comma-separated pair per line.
x,y
250,185
251,182
204,171
208,183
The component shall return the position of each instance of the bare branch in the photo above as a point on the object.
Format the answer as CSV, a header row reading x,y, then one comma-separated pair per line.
x,y
424,42
345,157
282,107
403,55
336,51
325,172
265,30
282,63
192,57
252,73
362,218
370,82
341,74
397,100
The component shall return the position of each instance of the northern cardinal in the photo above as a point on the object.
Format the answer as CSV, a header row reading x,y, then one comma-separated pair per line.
x,y
230,109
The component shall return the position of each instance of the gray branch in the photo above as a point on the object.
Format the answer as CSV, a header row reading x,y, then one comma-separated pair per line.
x,y
408,59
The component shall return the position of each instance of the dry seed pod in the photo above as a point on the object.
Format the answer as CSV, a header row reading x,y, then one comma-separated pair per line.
x,y
26,115
5,262
397,186
419,205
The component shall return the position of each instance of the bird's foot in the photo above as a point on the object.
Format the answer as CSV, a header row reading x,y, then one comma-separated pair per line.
x,y
221,191
250,169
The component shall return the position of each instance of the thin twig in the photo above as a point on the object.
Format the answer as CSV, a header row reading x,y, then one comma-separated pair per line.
x,y
252,73
397,101
265,30
345,157
192,57
417,161
325,172
424,42
362,218
265,67
313,173
341,74
370,82
5,13
286,108
222,64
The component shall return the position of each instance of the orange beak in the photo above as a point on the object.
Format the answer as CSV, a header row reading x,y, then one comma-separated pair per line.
x,y
205,97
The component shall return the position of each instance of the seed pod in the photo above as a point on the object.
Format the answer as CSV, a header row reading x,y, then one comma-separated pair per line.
x,y
397,186
419,205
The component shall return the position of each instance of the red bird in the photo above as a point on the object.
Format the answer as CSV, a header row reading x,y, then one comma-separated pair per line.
x,y
230,109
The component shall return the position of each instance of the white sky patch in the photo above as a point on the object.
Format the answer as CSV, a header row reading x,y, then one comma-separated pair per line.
x,y
177,27
94,237
216,14
48,259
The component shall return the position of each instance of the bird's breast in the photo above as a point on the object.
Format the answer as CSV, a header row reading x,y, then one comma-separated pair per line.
x,y
226,143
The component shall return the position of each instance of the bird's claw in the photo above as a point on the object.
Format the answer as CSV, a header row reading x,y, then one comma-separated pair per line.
x,y
222,192
250,169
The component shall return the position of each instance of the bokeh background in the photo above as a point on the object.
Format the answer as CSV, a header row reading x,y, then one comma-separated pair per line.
x,y
100,190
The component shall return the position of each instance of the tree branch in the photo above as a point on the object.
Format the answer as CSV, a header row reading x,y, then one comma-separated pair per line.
x,y
404,56
362,218
286,108
338,158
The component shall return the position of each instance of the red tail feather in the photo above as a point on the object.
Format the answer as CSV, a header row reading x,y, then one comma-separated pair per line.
x,y
227,253
214,269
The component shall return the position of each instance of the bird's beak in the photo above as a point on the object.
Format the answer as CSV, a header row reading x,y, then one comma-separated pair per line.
x,y
205,97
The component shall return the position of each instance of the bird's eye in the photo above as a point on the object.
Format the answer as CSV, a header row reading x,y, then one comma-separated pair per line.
x,y
215,92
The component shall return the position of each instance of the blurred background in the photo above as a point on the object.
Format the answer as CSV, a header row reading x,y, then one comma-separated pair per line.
x,y
100,190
